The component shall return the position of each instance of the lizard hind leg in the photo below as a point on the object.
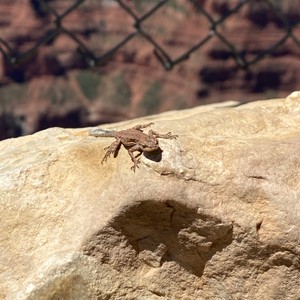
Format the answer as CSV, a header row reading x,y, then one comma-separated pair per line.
x,y
135,158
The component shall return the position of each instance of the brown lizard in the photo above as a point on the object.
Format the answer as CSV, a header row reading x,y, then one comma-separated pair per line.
x,y
133,139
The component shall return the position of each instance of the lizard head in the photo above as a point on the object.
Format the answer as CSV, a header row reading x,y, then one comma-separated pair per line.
x,y
150,144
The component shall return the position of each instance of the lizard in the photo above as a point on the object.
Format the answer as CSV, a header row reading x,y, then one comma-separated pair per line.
x,y
133,139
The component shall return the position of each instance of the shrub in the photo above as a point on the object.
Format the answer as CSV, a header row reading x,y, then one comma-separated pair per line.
x,y
89,83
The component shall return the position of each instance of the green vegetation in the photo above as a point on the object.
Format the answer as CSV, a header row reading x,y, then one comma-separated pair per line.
x,y
58,94
89,83
152,99
11,93
271,94
179,103
277,3
177,6
143,5
122,93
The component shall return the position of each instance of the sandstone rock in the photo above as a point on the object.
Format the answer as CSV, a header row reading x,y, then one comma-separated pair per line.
x,y
216,218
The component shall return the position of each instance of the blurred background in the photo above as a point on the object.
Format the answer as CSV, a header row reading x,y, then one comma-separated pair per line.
x,y
88,62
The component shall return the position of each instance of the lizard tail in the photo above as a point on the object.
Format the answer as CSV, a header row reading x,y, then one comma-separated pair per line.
x,y
101,132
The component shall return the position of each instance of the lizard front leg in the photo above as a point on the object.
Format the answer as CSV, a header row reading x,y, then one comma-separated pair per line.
x,y
168,135
113,148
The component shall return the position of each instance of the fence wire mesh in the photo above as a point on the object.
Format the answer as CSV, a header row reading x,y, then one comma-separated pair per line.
x,y
142,12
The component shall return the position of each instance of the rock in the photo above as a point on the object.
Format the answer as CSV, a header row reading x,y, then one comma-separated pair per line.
x,y
216,218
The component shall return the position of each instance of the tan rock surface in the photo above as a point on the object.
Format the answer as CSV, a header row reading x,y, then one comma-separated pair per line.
x,y
218,217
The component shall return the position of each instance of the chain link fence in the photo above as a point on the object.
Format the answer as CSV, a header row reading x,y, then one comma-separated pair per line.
x,y
282,13
212,46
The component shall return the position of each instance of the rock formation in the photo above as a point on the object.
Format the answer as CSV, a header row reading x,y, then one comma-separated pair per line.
x,y
216,217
